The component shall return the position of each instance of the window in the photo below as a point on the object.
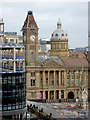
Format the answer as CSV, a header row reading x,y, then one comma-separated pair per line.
x,y
87,80
57,82
6,40
67,72
11,40
72,72
77,72
62,93
77,81
62,45
31,53
32,82
41,81
56,35
72,81
62,35
16,40
32,73
32,94
57,46
86,72
52,82
67,81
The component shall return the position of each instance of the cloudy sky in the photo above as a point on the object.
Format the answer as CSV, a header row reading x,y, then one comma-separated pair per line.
x,y
73,15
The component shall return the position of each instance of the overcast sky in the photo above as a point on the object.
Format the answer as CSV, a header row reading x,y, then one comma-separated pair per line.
x,y
74,18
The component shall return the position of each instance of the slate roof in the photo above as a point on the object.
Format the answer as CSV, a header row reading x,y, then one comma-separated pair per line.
x,y
69,61
30,22
75,62
77,53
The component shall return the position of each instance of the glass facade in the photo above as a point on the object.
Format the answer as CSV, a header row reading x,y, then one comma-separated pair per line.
x,y
13,91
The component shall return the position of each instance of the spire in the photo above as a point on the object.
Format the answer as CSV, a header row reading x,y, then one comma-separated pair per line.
x,y
59,24
30,22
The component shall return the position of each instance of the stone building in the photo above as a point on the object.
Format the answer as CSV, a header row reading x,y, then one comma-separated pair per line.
x,y
59,42
59,75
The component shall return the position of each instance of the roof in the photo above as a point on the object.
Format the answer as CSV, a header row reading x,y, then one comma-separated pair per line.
x,y
59,33
77,53
75,62
43,60
41,53
30,22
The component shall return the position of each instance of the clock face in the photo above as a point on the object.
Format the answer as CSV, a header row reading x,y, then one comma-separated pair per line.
x,y
32,37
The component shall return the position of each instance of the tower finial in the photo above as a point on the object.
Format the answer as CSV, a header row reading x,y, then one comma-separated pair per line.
x,y
59,23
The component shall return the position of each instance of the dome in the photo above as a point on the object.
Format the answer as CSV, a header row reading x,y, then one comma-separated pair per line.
x,y
59,34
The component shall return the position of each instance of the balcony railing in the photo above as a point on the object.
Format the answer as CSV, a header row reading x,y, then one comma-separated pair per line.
x,y
11,57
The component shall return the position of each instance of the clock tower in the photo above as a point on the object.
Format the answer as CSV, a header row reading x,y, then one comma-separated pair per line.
x,y
30,40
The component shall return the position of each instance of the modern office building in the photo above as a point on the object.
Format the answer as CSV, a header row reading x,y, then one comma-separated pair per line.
x,y
45,44
12,38
12,80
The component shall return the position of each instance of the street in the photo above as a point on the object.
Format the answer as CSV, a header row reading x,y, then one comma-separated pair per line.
x,y
59,110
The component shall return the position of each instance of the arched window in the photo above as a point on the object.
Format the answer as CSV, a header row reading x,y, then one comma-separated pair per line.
x,y
62,34
32,53
56,35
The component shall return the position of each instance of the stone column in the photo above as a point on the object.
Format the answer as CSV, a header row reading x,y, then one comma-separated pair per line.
x,y
54,78
38,79
48,95
65,94
75,93
65,78
44,80
44,95
80,76
59,94
85,78
59,78
48,78
70,78
54,94
75,78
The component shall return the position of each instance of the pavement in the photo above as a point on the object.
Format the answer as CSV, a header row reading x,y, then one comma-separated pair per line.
x,y
60,110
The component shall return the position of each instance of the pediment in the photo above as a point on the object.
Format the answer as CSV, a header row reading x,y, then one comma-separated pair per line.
x,y
51,63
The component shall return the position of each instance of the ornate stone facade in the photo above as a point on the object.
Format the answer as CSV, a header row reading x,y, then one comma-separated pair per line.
x,y
52,78
59,42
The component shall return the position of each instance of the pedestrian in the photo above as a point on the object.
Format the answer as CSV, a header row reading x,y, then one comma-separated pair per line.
x,y
78,113
27,107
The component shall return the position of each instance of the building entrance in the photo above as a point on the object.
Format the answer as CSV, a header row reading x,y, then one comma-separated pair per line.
x,y
70,95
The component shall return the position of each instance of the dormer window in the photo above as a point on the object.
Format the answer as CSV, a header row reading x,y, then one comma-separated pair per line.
x,y
62,35
56,35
